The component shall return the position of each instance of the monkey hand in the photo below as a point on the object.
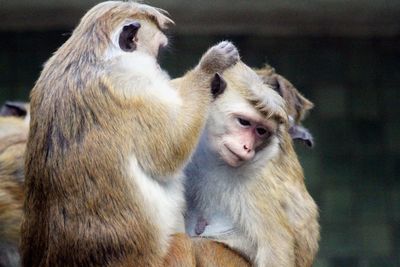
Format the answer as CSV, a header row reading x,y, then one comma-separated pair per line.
x,y
219,57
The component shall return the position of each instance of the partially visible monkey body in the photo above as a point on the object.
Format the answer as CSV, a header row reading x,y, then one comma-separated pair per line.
x,y
13,136
245,186
297,105
109,136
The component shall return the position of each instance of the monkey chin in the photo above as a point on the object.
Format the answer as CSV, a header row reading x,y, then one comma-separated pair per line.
x,y
231,158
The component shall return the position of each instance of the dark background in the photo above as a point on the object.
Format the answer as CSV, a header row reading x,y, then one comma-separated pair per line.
x,y
349,67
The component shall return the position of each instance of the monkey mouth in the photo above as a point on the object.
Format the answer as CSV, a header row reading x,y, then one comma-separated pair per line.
x,y
234,155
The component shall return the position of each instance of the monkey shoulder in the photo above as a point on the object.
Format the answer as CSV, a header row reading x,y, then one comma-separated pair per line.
x,y
139,75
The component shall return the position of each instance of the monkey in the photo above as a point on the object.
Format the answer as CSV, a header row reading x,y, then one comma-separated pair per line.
x,y
13,136
297,105
109,136
245,186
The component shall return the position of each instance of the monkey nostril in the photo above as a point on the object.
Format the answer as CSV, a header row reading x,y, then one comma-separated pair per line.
x,y
245,147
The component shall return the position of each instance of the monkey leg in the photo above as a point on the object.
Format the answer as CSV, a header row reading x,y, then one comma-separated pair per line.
x,y
181,252
210,253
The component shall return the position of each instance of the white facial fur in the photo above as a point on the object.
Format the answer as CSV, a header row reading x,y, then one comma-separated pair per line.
x,y
234,142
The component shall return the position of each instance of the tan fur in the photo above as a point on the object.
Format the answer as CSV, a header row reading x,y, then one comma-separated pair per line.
x,y
181,252
297,104
81,206
283,179
12,127
267,200
281,196
243,80
13,136
214,254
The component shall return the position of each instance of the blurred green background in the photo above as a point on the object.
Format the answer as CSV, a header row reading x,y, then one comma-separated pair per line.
x,y
342,55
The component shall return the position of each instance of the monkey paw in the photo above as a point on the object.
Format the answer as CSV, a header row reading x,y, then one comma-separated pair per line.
x,y
219,57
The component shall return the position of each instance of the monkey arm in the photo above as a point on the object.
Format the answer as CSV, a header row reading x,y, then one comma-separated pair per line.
x,y
180,125
271,230
165,136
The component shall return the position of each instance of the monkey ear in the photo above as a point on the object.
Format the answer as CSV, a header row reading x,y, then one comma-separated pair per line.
x,y
301,104
218,85
17,109
127,36
278,85
300,133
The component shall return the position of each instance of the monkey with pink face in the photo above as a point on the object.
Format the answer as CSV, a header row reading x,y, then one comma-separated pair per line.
x,y
245,186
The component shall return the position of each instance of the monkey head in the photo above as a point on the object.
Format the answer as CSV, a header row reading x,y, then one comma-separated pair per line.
x,y
115,28
246,120
298,106
140,34
142,30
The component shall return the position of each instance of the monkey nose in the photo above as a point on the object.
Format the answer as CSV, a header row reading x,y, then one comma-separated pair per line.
x,y
245,147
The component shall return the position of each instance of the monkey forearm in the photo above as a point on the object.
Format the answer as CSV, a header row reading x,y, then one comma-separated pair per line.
x,y
181,127
163,146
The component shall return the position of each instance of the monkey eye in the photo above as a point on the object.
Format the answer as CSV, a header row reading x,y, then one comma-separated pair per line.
x,y
244,122
262,132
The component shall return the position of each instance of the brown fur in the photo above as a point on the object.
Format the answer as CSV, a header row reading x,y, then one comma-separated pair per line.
x,y
214,254
281,190
81,209
13,135
281,186
181,253
297,104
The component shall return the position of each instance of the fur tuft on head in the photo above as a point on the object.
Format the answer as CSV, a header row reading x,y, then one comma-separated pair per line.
x,y
261,96
160,16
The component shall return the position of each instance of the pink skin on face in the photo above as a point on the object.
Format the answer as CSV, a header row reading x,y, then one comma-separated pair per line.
x,y
244,135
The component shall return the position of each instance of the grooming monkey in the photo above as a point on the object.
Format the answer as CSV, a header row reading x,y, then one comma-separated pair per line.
x,y
13,136
109,136
245,185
